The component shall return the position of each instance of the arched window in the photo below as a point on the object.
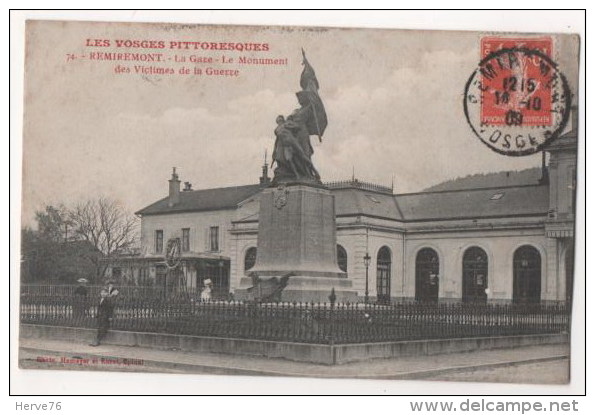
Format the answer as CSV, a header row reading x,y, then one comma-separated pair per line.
x,y
527,275
383,263
427,270
475,275
250,258
342,258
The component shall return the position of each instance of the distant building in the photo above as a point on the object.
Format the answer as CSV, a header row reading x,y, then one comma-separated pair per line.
x,y
495,237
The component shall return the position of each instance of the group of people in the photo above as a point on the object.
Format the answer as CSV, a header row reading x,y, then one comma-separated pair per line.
x,y
107,299
293,150
105,311
105,307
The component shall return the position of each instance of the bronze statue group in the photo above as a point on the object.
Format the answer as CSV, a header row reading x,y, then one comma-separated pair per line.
x,y
293,151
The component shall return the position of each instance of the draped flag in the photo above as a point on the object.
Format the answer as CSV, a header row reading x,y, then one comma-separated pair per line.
x,y
308,96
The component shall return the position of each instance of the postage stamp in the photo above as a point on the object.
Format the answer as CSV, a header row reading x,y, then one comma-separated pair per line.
x,y
517,101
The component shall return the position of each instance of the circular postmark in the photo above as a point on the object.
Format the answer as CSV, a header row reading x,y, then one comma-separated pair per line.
x,y
517,101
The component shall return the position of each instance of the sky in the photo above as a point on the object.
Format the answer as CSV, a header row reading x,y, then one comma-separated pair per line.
x,y
393,99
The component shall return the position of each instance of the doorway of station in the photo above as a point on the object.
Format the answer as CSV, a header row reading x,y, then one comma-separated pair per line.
x,y
475,275
427,270
526,275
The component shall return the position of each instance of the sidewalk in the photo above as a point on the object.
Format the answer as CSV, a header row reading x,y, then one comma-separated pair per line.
x,y
131,358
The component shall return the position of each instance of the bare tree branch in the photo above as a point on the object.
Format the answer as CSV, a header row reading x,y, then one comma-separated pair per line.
x,y
107,226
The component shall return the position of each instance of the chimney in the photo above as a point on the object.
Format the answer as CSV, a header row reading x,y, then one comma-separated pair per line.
x,y
187,186
174,189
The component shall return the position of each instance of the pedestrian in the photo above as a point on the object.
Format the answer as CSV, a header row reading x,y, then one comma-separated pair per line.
x,y
111,289
81,289
105,311
205,295
80,298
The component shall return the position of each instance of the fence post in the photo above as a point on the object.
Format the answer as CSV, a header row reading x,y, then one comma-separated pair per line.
x,y
331,330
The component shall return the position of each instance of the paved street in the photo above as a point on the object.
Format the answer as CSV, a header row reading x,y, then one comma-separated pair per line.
x,y
535,364
549,372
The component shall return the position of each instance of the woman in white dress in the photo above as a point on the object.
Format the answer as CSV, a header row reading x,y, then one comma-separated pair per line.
x,y
205,295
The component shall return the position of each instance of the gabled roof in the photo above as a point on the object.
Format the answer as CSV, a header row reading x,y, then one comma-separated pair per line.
x,y
203,200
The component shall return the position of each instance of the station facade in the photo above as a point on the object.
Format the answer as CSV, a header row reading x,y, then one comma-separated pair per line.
x,y
501,237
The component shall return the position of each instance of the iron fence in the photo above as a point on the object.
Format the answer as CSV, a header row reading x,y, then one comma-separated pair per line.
x,y
301,322
126,291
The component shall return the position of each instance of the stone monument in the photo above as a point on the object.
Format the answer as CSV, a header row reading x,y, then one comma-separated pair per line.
x,y
297,243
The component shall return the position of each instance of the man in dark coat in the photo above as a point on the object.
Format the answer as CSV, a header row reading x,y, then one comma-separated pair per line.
x,y
81,289
105,311
80,299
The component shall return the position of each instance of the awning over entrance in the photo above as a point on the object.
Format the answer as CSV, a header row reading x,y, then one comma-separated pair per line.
x,y
161,258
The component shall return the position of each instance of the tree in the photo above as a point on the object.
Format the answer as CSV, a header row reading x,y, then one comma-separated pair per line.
x,y
78,242
40,250
106,226
52,223
50,254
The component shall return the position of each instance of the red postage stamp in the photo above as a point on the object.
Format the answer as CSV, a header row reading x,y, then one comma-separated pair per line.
x,y
516,87
517,100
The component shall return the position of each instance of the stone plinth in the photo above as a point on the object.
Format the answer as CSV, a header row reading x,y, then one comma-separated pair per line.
x,y
297,239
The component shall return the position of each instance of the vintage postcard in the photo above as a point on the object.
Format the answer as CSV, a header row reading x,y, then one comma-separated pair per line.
x,y
299,201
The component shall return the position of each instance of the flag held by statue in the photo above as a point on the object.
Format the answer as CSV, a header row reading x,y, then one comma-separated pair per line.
x,y
308,96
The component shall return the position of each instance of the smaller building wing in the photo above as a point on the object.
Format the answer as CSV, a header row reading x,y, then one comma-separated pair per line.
x,y
203,200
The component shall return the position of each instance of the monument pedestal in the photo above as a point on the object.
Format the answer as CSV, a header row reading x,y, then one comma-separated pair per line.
x,y
297,248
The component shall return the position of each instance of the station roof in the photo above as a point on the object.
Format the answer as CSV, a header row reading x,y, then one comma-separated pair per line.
x,y
475,203
457,202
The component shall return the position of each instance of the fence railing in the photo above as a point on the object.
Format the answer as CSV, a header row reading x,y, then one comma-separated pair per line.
x,y
126,291
301,322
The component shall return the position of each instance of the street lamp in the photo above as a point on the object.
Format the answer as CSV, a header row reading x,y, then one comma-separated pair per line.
x,y
367,264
